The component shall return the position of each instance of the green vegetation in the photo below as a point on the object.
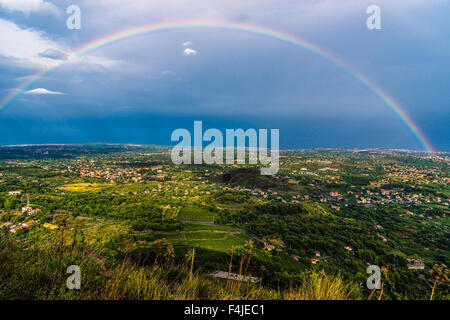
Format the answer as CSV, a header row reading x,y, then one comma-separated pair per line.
x,y
308,232
196,214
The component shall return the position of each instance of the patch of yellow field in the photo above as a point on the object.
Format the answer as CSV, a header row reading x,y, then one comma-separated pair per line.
x,y
84,187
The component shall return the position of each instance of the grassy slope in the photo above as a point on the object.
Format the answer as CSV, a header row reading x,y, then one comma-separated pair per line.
x,y
41,274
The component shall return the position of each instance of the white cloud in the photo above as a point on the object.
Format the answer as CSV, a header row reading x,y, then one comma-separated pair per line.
x,y
32,48
187,44
43,91
25,45
189,52
28,6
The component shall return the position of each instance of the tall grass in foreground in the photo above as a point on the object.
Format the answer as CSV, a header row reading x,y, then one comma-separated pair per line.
x,y
31,273
319,287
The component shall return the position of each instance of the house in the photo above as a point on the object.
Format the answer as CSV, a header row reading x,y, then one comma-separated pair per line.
x,y
30,210
415,264
233,276
317,254
348,248
5,225
382,238
385,192
28,224
15,193
27,209
15,229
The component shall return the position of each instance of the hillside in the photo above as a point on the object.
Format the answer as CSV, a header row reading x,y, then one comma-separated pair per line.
x,y
306,227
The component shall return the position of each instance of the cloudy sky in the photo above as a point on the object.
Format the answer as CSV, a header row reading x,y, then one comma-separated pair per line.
x,y
140,89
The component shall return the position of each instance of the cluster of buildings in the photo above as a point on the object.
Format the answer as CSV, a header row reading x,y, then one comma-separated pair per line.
x,y
116,174
13,228
383,196
26,211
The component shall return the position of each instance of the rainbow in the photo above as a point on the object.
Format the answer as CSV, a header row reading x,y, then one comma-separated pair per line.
x,y
234,26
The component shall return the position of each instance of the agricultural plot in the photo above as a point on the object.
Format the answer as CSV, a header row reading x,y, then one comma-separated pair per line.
x,y
196,214
216,238
84,187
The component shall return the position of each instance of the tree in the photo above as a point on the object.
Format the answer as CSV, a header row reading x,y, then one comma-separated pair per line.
x,y
439,275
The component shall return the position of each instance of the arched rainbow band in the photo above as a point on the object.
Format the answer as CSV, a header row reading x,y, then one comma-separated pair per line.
x,y
260,30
